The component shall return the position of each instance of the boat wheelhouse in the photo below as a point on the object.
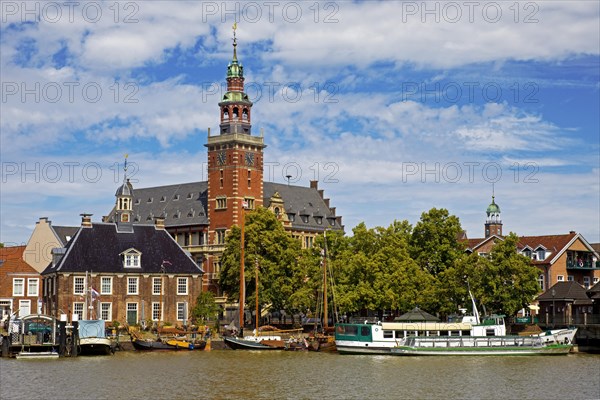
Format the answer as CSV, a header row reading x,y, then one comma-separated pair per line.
x,y
380,338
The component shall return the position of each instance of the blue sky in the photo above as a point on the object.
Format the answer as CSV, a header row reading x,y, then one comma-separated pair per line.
x,y
395,107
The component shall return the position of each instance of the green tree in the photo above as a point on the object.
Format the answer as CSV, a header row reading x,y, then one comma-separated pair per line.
x,y
435,241
378,272
270,248
508,280
205,308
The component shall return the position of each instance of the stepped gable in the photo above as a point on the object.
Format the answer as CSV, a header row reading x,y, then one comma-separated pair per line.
x,y
304,201
99,247
179,205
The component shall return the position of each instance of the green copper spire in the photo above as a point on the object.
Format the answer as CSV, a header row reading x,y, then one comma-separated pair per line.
x,y
235,69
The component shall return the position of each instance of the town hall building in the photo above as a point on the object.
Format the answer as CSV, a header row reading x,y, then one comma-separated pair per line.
x,y
199,214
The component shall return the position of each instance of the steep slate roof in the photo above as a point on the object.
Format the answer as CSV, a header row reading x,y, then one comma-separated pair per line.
x,y
302,200
65,232
160,201
11,261
566,291
98,249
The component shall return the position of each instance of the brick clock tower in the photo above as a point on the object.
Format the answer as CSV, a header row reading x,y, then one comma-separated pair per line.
x,y
235,158
493,223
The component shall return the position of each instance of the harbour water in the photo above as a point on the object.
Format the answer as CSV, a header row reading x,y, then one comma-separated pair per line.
x,y
240,375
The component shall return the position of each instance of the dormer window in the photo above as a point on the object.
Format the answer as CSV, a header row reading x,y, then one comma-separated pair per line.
x,y
291,217
541,253
304,218
131,258
150,200
319,220
176,197
163,199
527,253
190,196
137,201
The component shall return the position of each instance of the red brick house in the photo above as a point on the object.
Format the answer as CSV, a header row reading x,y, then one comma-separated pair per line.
x,y
20,284
132,273
560,258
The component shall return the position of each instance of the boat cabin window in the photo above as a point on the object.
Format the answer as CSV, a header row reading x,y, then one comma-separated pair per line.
x,y
350,330
388,334
400,334
489,332
454,333
365,331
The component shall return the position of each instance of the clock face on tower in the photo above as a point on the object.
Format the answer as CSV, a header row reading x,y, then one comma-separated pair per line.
x,y
249,159
221,158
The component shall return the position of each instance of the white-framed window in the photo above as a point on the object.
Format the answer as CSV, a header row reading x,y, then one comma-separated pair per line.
x,y
595,280
586,282
181,311
131,258
106,311
24,308
79,285
570,278
541,282
78,309
156,286
106,285
33,285
182,286
132,285
560,278
18,287
156,311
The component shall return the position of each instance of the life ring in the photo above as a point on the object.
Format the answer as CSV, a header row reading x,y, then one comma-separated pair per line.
x,y
580,263
566,340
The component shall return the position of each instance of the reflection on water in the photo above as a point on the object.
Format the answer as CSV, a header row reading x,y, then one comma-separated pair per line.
x,y
299,375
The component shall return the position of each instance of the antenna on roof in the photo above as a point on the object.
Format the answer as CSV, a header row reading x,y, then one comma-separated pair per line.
x,y
288,179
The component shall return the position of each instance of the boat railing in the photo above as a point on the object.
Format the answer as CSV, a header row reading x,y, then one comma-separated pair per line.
x,y
473,341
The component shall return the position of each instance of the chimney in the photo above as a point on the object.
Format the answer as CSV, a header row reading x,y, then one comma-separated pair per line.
x,y
86,220
159,223
572,232
314,184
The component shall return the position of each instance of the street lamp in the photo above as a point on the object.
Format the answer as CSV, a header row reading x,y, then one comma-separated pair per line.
x,y
553,308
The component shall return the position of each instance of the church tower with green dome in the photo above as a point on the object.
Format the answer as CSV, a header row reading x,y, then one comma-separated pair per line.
x,y
493,223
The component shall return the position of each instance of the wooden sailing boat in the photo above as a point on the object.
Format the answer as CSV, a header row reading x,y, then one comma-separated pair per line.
x,y
323,338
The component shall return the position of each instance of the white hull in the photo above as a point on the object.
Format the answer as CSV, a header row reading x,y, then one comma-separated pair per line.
x,y
33,355
95,345
344,347
558,336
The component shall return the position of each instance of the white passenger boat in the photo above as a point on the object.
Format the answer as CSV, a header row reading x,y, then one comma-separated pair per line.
x,y
380,338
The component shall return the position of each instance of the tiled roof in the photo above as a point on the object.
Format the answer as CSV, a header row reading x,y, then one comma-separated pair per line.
x,y
186,204
564,290
98,249
11,260
553,243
